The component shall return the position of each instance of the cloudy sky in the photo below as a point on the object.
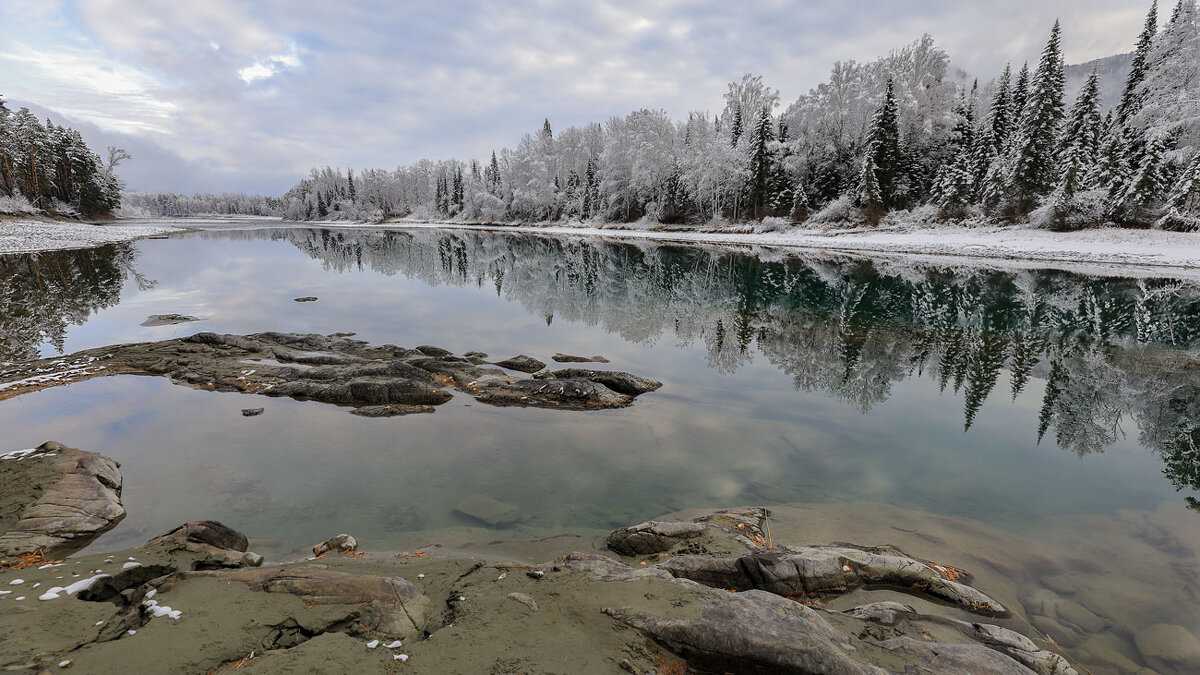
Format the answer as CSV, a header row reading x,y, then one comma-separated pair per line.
x,y
223,95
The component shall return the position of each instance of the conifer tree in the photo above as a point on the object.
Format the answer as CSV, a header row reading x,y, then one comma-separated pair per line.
x,y
350,180
1020,94
1033,152
1152,180
884,153
735,132
991,142
761,163
1078,155
1131,97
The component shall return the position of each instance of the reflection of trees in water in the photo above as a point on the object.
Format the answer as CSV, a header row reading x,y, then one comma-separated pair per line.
x,y
43,293
1106,348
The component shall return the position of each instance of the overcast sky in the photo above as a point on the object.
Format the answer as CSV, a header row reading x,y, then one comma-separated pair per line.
x,y
220,95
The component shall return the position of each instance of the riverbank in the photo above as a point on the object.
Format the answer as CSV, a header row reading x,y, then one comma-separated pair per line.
x,y
29,235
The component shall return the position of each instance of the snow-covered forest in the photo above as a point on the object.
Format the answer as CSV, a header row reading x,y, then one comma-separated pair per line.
x,y
169,204
48,168
904,136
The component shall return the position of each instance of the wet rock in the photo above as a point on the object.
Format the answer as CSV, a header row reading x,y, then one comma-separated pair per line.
x,y
390,410
561,394
1063,635
1169,648
524,600
751,632
384,379
80,501
491,512
168,319
252,412
389,605
624,383
569,358
652,537
307,298
820,571
218,545
522,363
342,543
476,358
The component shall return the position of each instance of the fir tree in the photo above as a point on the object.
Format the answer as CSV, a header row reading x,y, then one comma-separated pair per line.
x,y
1152,180
870,195
546,132
885,155
735,131
350,180
990,144
1033,153
1020,94
761,163
1131,97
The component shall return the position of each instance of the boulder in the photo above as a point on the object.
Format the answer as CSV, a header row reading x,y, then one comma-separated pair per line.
x,y
560,394
624,383
218,545
168,319
569,358
80,501
653,537
522,363
252,412
342,543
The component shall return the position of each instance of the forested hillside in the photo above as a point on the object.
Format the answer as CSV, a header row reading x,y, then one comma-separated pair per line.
x,y
901,135
49,169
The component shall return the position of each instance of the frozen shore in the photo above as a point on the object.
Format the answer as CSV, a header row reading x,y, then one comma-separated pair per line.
x,y
31,236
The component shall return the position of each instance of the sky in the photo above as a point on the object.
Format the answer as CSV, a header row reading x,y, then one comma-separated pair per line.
x,y
222,95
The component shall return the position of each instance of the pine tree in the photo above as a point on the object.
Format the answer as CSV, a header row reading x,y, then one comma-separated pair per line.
x,y
1184,202
493,176
350,180
761,163
735,132
1020,93
870,195
546,132
1033,160
1152,180
1131,97
1078,155
990,144
884,152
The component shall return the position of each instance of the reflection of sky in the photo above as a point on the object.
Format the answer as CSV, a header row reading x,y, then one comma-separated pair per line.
x,y
305,470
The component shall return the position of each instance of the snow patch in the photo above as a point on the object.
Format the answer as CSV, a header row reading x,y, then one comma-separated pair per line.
x,y
56,592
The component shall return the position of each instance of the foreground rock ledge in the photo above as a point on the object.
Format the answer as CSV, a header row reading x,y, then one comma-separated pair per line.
x,y
56,499
195,590
379,380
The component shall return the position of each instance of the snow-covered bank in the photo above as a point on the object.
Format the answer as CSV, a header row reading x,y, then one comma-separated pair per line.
x,y
1015,245
30,236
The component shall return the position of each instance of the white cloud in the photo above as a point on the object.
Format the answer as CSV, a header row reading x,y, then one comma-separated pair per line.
x,y
271,66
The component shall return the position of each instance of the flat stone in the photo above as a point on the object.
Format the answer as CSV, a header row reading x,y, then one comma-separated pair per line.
x,y
307,298
570,358
522,363
252,412
168,319
489,511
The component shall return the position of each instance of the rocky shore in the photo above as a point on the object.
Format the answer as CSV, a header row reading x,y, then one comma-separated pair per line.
x,y
713,594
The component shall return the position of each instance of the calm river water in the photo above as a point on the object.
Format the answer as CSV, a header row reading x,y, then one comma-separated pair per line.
x,y
1048,409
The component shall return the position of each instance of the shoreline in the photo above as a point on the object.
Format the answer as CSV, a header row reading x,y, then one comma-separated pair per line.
x,y
33,235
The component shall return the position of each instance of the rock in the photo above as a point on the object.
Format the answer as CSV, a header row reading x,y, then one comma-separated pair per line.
x,y
489,511
751,632
390,605
341,543
1061,583
1168,647
524,600
560,394
521,362
616,380
386,380
219,545
168,319
821,571
252,412
568,358
1063,635
390,410
307,298
476,357
81,501
652,537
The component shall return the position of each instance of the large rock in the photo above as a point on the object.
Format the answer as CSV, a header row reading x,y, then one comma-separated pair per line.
x,y
218,545
621,382
573,394
653,537
391,605
489,511
80,500
522,363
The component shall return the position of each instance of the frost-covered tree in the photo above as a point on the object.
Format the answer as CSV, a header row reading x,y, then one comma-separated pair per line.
x,y
1032,158
885,157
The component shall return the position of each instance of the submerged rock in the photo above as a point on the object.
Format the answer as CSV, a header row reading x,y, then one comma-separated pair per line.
x,y
569,358
168,319
489,511
1169,648
80,499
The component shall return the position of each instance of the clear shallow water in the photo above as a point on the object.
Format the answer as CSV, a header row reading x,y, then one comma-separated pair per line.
x,y
1009,398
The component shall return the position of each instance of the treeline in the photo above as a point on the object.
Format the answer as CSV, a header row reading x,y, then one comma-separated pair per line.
x,y
48,168
900,137
149,204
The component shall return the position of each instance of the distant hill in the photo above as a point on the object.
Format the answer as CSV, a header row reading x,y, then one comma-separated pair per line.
x,y
1113,70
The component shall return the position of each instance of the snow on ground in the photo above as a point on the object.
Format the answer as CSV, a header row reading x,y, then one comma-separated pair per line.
x,y
29,236
1084,249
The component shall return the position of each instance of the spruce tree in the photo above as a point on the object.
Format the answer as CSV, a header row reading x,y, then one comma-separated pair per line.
x,y
1131,97
735,131
1020,93
1151,182
1078,154
760,163
989,144
870,195
350,180
1033,161
885,155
